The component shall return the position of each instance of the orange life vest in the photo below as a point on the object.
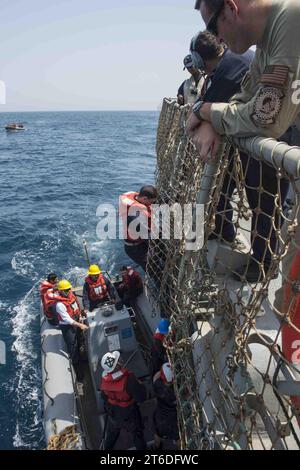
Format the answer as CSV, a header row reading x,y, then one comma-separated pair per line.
x,y
114,387
45,285
132,280
97,290
128,205
291,306
49,299
71,304
159,336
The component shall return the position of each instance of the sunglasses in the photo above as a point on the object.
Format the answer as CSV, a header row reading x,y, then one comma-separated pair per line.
x,y
212,24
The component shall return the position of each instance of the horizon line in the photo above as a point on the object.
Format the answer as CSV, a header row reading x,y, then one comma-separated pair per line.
x,y
83,111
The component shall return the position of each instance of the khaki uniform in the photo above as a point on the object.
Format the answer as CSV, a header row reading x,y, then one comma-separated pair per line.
x,y
191,91
268,102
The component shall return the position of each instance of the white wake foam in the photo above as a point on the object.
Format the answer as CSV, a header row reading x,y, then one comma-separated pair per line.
x,y
23,263
26,382
25,387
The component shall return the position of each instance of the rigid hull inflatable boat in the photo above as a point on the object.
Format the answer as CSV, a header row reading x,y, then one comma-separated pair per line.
x,y
74,414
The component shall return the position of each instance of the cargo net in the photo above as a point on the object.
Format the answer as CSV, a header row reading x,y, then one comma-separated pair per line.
x,y
231,341
68,439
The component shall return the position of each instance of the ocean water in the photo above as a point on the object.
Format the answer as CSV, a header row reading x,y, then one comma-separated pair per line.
x,y
53,176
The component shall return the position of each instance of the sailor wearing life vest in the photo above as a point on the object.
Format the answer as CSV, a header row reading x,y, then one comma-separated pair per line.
x,y
121,392
158,351
68,314
47,293
49,283
132,206
50,299
131,286
165,414
97,289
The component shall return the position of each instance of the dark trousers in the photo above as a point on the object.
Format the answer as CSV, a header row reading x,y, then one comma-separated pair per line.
x,y
165,423
138,253
262,203
72,340
158,356
127,296
124,418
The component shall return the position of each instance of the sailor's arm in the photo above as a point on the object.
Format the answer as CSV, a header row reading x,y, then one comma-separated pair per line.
x,y
62,311
85,297
111,289
138,282
268,113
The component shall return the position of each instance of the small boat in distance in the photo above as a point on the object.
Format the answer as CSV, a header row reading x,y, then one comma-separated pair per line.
x,y
15,127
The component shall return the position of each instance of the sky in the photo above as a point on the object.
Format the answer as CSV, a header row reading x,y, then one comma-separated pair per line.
x,y
93,54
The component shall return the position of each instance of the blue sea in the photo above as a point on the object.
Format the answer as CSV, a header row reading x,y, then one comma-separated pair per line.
x,y
53,176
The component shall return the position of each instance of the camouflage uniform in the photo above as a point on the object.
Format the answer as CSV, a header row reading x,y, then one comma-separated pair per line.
x,y
269,101
267,104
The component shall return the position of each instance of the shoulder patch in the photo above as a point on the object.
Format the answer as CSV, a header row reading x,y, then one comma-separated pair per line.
x,y
275,75
267,106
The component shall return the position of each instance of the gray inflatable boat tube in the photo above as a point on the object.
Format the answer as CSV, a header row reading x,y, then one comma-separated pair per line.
x,y
60,407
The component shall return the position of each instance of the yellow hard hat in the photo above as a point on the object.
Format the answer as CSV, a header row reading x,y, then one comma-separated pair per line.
x,y
64,285
94,270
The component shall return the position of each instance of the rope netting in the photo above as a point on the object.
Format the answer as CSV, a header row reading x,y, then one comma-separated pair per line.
x,y
235,385
68,439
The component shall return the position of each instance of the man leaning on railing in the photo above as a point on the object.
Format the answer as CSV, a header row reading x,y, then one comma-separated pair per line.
x,y
225,71
266,105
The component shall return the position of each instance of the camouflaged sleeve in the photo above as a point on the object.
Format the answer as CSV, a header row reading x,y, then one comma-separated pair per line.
x,y
272,108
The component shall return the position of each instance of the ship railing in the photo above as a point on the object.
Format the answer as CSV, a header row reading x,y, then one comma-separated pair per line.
x,y
235,384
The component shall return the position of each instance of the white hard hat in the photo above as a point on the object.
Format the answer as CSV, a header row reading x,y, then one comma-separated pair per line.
x,y
167,372
109,361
